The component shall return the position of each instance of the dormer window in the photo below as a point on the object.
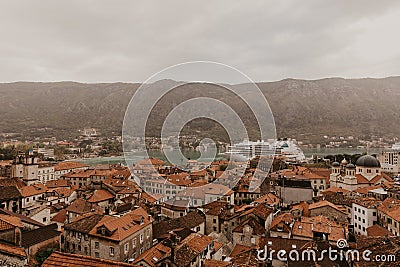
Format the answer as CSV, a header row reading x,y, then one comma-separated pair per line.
x,y
103,231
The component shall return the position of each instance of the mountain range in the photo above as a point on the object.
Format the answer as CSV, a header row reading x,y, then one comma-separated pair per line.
x,y
303,109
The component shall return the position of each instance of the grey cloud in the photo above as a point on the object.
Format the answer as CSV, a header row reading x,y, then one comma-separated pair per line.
x,y
98,41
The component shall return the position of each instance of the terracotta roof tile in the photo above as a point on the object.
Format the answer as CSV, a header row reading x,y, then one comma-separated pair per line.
x,y
60,217
9,192
324,203
377,230
13,250
69,165
9,222
189,221
269,199
391,207
80,206
23,218
153,255
59,259
57,183
100,195
196,242
122,227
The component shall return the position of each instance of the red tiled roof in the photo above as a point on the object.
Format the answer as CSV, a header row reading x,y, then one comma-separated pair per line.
x,y
391,207
122,227
57,183
239,249
197,242
32,190
324,203
100,195
9,222
81,206
59,259
377,230
69,165
216,263
13,250
269,199
60,217
154,255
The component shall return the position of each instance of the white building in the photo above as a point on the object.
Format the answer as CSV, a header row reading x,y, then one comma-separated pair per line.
x,y
65,167
45,172
390,161
364,214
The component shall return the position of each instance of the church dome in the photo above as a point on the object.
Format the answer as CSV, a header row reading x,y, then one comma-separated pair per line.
x,y
350,166
368,161
335,164
344,162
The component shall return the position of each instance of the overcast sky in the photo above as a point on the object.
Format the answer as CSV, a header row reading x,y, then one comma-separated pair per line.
x,y
107,41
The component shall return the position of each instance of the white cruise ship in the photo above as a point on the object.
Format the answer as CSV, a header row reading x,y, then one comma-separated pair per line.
x,y
396,146
247,150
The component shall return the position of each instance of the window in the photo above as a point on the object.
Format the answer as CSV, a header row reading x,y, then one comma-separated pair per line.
x,y
126,247
214,220
86,250
96,244
97,255
79,248
44,219
134,242
111,251
141,238
374,213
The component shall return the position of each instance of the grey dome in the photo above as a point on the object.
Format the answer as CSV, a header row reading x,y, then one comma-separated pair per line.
x,y
350,166
368,161
335,164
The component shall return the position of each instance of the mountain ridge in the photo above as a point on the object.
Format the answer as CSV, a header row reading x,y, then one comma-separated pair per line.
x,y
302,108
